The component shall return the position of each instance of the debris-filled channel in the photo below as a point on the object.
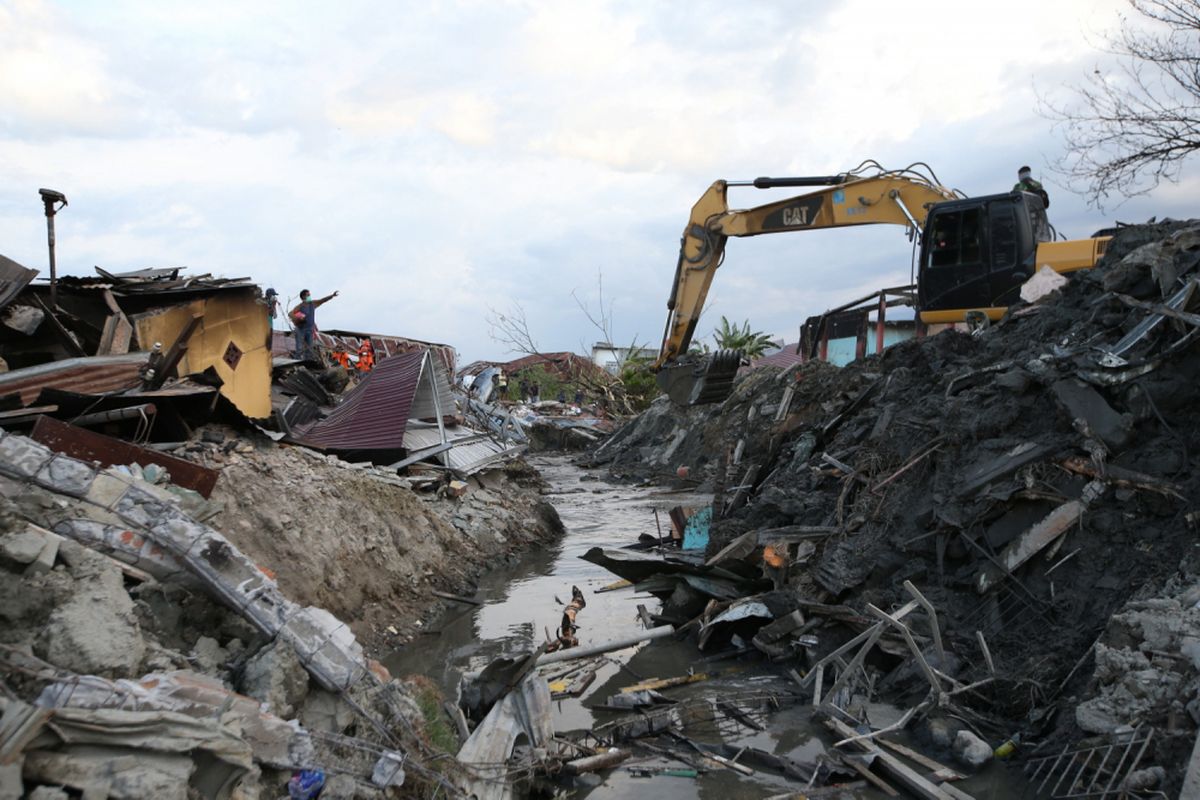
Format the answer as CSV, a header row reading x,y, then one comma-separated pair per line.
x,y
520,608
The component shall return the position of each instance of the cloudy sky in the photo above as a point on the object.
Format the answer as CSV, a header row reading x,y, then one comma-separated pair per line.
x,y
433,160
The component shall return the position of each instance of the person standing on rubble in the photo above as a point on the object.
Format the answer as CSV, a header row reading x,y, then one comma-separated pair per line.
x,y
1026,183
304,317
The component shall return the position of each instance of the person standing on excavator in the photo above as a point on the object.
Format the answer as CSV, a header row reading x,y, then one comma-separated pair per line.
x,y
1026,183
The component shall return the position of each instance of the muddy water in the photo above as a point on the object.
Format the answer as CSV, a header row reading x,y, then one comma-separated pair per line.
x,y
520,607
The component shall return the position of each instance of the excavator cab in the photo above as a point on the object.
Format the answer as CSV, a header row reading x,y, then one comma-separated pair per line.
x,y
976,253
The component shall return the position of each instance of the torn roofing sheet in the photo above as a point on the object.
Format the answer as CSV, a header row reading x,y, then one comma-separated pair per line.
x,y
469,450
13,278
94,375
374,414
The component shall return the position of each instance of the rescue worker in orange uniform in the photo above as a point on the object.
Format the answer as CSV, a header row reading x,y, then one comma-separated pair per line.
x,y
341,357
366,356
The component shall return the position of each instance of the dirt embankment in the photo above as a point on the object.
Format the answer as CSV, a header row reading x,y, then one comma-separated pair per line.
x,y
932,460
185,625
356,541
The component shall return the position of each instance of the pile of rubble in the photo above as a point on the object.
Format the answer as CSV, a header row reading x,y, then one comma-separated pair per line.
x,y
144,653
993,530
202,538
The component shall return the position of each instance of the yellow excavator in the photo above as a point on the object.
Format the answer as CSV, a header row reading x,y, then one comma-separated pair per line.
x,y
975,253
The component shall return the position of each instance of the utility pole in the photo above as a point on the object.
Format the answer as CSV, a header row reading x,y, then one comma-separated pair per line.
x,y
50,198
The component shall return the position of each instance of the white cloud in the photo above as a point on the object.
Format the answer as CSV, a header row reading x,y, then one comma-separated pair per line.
x,y
431,160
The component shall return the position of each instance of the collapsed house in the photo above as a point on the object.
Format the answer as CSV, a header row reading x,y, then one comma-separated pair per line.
x,y
153,354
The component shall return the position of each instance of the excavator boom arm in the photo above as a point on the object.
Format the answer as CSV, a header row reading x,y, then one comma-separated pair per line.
x,y
897,198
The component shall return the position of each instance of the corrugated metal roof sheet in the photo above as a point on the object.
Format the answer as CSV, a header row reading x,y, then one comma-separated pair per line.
x,y
283,343
94,375
785,358
423,406
472,450
374,414
13,278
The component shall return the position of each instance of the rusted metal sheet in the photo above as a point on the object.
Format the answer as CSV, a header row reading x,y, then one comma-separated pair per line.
x,y
13,278
88,375
88,445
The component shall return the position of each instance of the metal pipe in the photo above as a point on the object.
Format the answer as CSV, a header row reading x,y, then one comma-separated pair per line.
x,y
115,415
618,644
49,198
895,195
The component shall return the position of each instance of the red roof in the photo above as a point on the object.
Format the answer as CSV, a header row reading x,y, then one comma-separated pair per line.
x,y
785,358
565,365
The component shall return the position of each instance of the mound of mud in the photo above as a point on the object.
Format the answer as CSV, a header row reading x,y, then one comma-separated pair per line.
x,y
936,460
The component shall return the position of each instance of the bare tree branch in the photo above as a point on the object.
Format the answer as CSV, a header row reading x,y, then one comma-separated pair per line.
x,y
1129,128
511,329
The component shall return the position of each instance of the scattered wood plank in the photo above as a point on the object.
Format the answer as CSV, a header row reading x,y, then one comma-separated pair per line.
x,y
893,767
644,615
665,683
936,768
1029,544
1124,478
612,587
456,598
605,760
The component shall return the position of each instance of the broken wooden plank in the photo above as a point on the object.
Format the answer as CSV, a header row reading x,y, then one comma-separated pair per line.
x,y
1010,462
665,683
856,763
893,767
1124,478
612,587
456,598
1029,544
936,768
987,653
933,620
912,645
458,719
901,613
606,760
911,463
644,616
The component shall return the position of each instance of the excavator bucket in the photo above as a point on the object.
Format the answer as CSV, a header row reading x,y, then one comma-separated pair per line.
x,y
706,380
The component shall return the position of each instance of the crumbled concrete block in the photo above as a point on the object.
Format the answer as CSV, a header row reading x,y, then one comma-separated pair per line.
x,y
141,505
23,457
67,475
1084,403
96,630
208,655
11,785
971,750
107,488
276,678
326,712
23,547
49,793
47,555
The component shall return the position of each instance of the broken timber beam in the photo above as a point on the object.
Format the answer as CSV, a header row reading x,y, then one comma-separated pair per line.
x,y
1124,478
1029,544
933,620
894,768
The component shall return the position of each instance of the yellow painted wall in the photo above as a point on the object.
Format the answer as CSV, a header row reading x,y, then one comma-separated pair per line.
x,y
234,316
